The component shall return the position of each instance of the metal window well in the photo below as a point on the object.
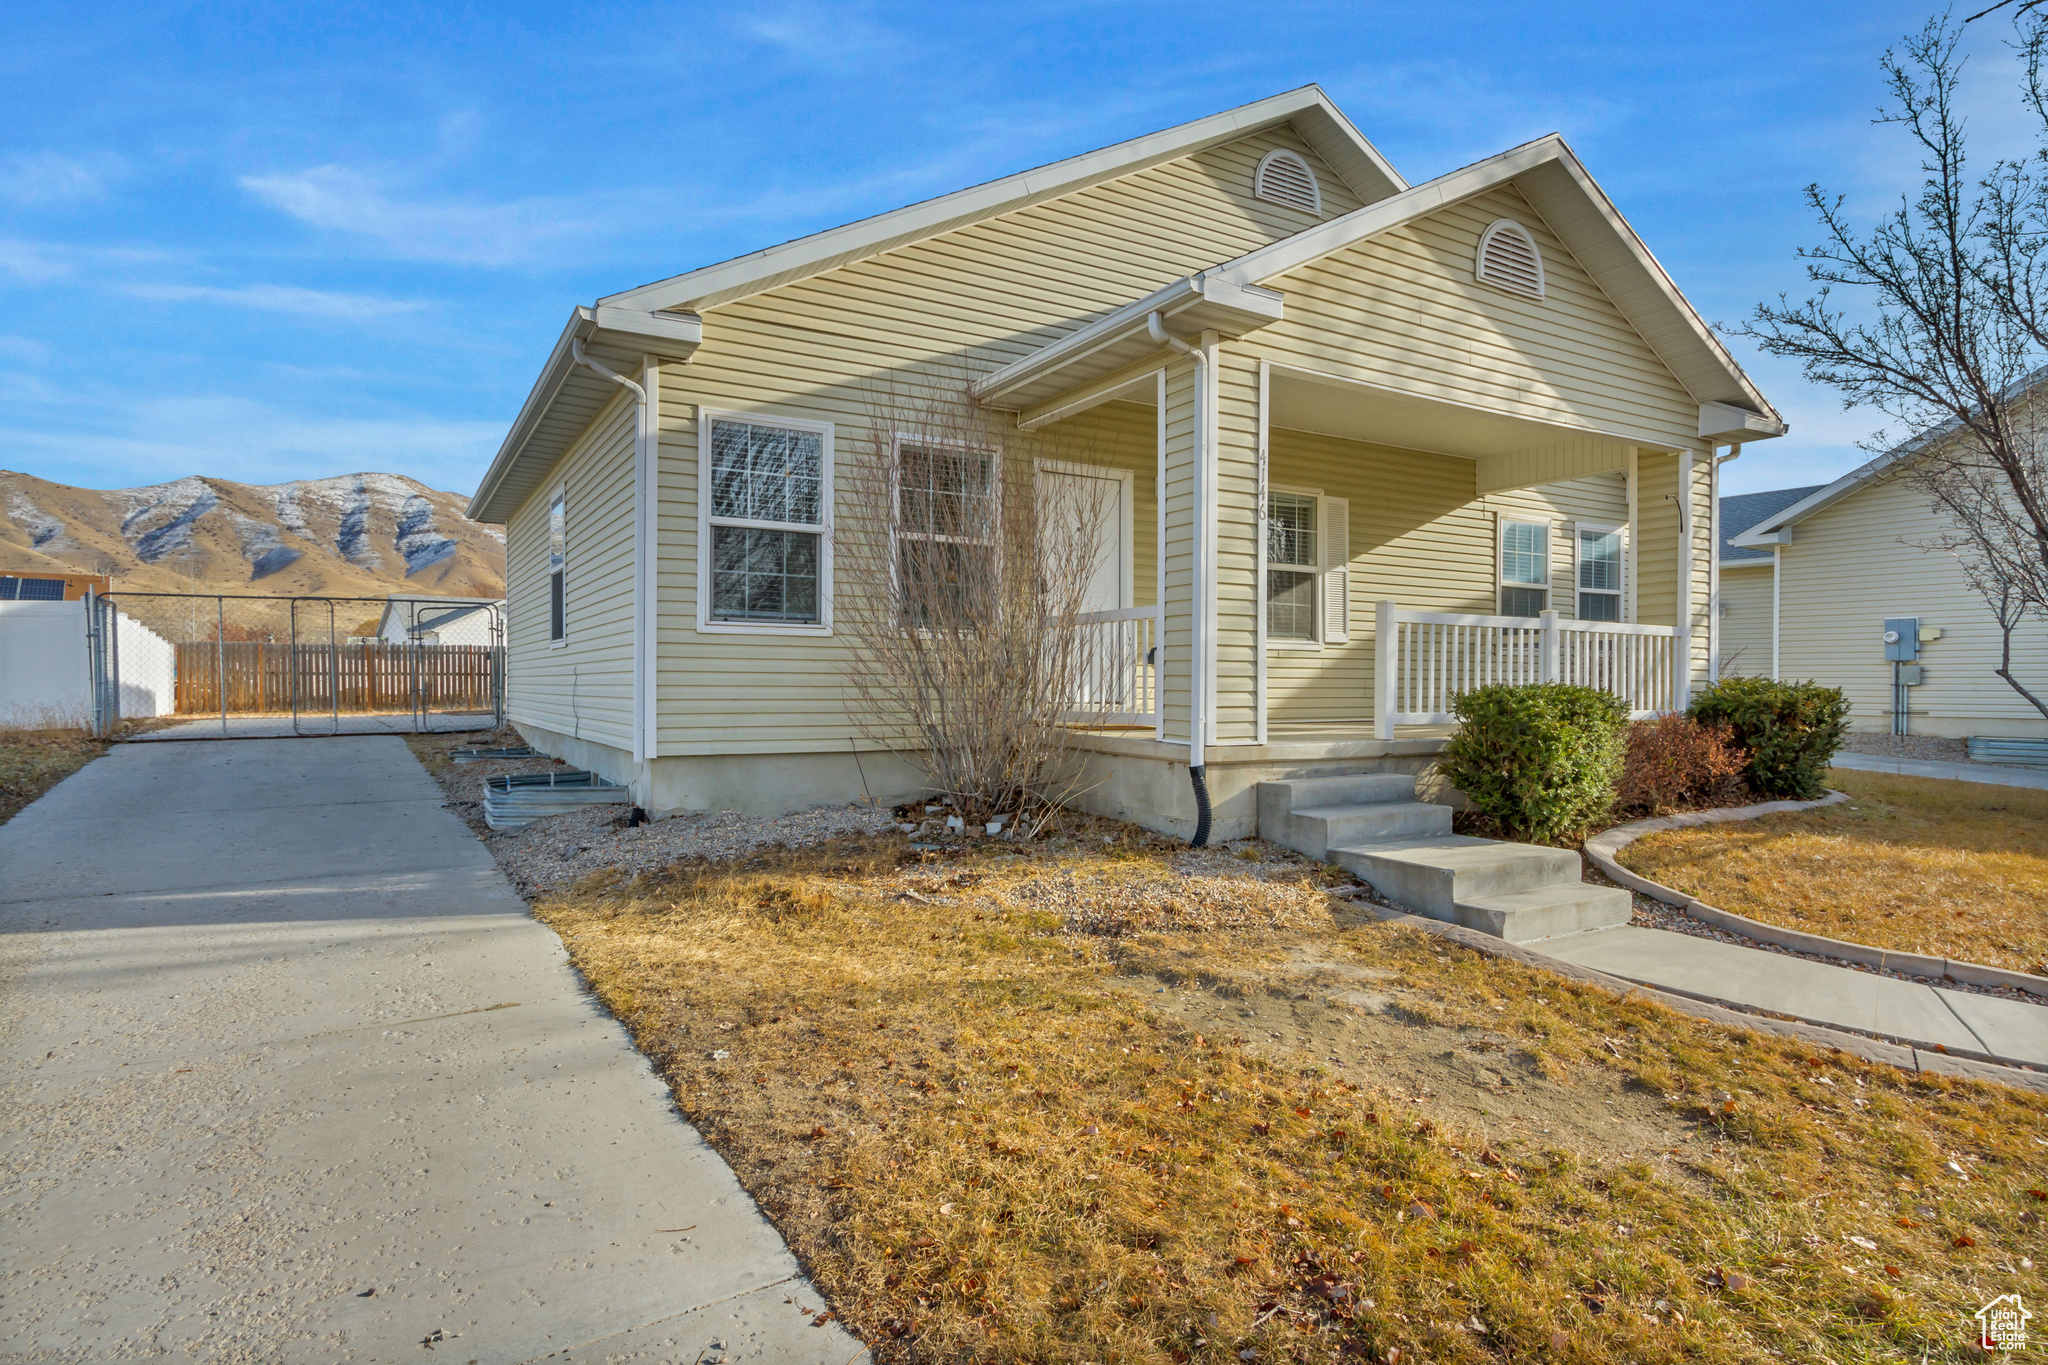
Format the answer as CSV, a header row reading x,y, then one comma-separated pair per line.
x,y
2020,753
487,755
517,800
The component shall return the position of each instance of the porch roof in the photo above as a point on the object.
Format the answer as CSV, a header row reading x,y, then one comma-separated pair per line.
x,y
1099,360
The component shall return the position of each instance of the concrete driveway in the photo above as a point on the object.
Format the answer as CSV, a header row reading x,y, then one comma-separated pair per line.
x,y
288,1074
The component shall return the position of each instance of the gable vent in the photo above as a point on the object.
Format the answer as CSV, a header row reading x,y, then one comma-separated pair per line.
x,y
1285,178
1508,259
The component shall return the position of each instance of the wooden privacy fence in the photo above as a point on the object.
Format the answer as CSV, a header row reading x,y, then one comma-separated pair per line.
x,y
262,677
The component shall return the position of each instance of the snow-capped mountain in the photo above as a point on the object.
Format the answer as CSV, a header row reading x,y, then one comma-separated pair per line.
x,y
359,535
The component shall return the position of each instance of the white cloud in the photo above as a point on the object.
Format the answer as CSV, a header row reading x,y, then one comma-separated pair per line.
x,y
346,200
30,262
816,35
48,178
280,298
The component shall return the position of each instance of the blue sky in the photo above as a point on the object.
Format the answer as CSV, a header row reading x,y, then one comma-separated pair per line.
x,y
271,243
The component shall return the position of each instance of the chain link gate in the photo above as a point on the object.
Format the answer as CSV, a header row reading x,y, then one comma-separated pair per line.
x,y
219,666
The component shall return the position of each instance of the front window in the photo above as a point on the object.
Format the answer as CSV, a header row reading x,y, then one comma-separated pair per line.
x,y
767,522
946,517
1599,575
1524,568
1291,561
558,567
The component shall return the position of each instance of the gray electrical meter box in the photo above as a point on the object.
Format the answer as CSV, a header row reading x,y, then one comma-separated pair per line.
x,y
1901,639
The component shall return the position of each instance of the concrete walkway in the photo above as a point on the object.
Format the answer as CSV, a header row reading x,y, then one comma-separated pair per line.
x,y
1964,1022
289,1074
1988,773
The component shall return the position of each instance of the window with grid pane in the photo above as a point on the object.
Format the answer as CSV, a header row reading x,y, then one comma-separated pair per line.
x,y
1599,574
947,510
1524,568
766,521
1292,601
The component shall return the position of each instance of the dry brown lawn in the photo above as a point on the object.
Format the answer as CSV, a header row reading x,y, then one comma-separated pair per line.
x,y
1109,1100
33,761
1952,869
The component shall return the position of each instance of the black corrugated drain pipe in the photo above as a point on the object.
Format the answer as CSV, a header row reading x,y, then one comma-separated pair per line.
x,y
1201,784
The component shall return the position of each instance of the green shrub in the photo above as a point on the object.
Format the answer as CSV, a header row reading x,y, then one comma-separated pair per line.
x,y
1537,761
1791,730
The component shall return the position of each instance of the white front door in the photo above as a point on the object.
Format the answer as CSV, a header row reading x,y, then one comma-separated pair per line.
x,y
1097,499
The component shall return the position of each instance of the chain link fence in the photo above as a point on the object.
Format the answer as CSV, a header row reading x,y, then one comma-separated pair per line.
x,y
212,666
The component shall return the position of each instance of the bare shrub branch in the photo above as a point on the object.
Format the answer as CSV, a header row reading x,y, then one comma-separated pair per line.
x,y
965,573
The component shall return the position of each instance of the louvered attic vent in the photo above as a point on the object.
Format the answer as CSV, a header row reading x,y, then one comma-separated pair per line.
x,y
1285,178
1508,259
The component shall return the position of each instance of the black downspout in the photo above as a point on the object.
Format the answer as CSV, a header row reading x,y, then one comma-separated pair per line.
x,y
1201,785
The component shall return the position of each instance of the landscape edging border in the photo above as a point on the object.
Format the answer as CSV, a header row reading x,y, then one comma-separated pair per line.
x,y
1603,847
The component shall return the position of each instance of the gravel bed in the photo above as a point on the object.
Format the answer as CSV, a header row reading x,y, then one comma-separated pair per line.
x,y
560,850
1927,747
1651,913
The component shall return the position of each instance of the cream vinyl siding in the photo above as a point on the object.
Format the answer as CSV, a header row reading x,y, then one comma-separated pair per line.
x,y
584,687
1420,537
1746,619
832,347
1402,310
1656,553
1854,564
1237,545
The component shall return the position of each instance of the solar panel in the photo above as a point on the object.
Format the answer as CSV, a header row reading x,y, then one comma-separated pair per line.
x,y
31,589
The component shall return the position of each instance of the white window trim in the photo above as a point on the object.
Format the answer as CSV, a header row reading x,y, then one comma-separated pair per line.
x,y
1315,183
1620,594
1314,571
823,530
1126,532
561,495
897,440
1500,562
1494,229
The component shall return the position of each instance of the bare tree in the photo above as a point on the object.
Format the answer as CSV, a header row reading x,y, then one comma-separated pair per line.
x,y
964,575
1954,331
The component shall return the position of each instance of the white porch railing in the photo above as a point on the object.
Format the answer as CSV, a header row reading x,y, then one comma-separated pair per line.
x,y
1119,666
1426,658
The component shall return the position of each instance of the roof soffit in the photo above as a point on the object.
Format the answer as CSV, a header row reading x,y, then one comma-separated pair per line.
x,y
1318,122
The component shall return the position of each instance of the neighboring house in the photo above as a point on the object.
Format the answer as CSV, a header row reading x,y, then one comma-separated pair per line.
x,y
1746,605
50,587
1850,556
1464,403
442,620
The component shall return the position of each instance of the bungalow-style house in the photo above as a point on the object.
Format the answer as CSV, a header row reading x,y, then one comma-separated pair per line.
x,y
1484,416
1746,579
1849,562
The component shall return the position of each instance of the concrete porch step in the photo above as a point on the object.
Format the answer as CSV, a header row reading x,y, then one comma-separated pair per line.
x,y
1546,912
1432,875
1317,830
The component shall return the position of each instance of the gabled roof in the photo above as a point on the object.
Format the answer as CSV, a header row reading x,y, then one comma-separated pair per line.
x,y
1550,176
662,318
1740,511
1773,527
1319,122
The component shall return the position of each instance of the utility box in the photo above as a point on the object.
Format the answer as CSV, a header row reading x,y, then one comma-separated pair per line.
x,y
1901,639
1911,675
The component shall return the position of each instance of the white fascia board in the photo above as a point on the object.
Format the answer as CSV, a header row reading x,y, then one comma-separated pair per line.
x,y
1368,173
1756,538
1729,424
1689,347
671,335
1210,302
1777,529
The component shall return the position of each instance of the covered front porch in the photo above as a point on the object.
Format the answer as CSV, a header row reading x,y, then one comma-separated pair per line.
x,y
1347,585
